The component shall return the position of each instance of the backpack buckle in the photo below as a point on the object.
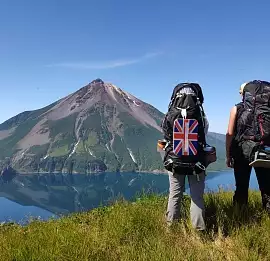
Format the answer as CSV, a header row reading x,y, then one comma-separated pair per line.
x,y
184,113
200,166
168,162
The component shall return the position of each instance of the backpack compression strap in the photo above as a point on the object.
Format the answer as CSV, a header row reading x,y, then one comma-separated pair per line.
x,y
203,121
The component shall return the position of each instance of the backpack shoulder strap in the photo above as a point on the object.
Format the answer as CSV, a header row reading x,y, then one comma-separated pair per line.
x,y
239,105
239,109
203,122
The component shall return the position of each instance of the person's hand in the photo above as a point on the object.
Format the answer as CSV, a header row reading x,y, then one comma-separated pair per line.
x,y
229,162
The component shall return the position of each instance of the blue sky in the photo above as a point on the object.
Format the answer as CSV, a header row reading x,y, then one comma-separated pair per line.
x,y
51,48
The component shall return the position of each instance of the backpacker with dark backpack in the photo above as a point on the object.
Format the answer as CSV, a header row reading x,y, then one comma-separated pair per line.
x,y
253,119
183,128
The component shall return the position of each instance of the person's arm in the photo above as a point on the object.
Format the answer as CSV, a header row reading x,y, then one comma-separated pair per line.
x,y
230,134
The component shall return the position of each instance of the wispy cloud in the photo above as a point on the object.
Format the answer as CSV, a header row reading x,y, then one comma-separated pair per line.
x,y
105,64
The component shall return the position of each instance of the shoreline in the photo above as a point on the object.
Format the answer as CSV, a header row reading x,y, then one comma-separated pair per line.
x,y
157,172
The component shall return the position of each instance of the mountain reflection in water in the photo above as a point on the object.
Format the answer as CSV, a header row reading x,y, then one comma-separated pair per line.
x,y
48,195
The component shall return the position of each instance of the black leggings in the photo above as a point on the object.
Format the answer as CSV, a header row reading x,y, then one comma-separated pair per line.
x,y
242,172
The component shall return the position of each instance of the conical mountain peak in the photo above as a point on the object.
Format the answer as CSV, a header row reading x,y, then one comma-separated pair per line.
x,y
97,81
100,127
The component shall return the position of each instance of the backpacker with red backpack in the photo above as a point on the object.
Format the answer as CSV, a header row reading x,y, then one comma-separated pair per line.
x,y
184,131
253,120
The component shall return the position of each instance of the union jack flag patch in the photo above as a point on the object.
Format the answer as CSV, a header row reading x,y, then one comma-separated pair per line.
x,y
185,137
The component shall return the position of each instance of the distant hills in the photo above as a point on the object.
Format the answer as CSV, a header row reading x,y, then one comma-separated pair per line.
x,y
98,128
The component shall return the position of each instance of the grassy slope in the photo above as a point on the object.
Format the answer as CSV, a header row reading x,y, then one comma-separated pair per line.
x,y
136,231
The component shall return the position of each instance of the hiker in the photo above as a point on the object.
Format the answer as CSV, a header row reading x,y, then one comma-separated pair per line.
x,y
184,127
246,133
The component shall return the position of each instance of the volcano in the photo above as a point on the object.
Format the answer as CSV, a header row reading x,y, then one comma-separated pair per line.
x,y
98,128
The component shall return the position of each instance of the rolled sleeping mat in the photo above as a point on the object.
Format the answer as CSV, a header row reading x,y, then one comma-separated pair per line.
x,y
261,158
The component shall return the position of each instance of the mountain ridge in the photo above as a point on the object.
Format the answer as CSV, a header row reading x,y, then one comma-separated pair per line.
x,y
100,127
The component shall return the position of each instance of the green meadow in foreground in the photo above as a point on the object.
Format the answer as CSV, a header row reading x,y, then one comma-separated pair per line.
x,y
137,231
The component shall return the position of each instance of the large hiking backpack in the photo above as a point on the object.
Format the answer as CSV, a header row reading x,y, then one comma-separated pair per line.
x,y
183,128
253,121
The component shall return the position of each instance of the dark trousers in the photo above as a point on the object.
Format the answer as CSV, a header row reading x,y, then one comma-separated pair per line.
x,y
242,172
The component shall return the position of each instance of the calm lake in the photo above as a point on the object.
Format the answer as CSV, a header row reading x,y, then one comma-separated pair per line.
x,y
50,195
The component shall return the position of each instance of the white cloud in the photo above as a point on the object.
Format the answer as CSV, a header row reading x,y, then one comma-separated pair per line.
x,y
105,64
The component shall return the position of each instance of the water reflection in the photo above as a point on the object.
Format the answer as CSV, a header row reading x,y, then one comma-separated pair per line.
x,y
56,194
64,193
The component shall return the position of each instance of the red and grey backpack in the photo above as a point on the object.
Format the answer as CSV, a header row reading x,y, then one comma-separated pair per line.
x,y
253,121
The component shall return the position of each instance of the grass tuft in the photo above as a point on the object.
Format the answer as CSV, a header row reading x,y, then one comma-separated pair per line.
x,y
138,231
